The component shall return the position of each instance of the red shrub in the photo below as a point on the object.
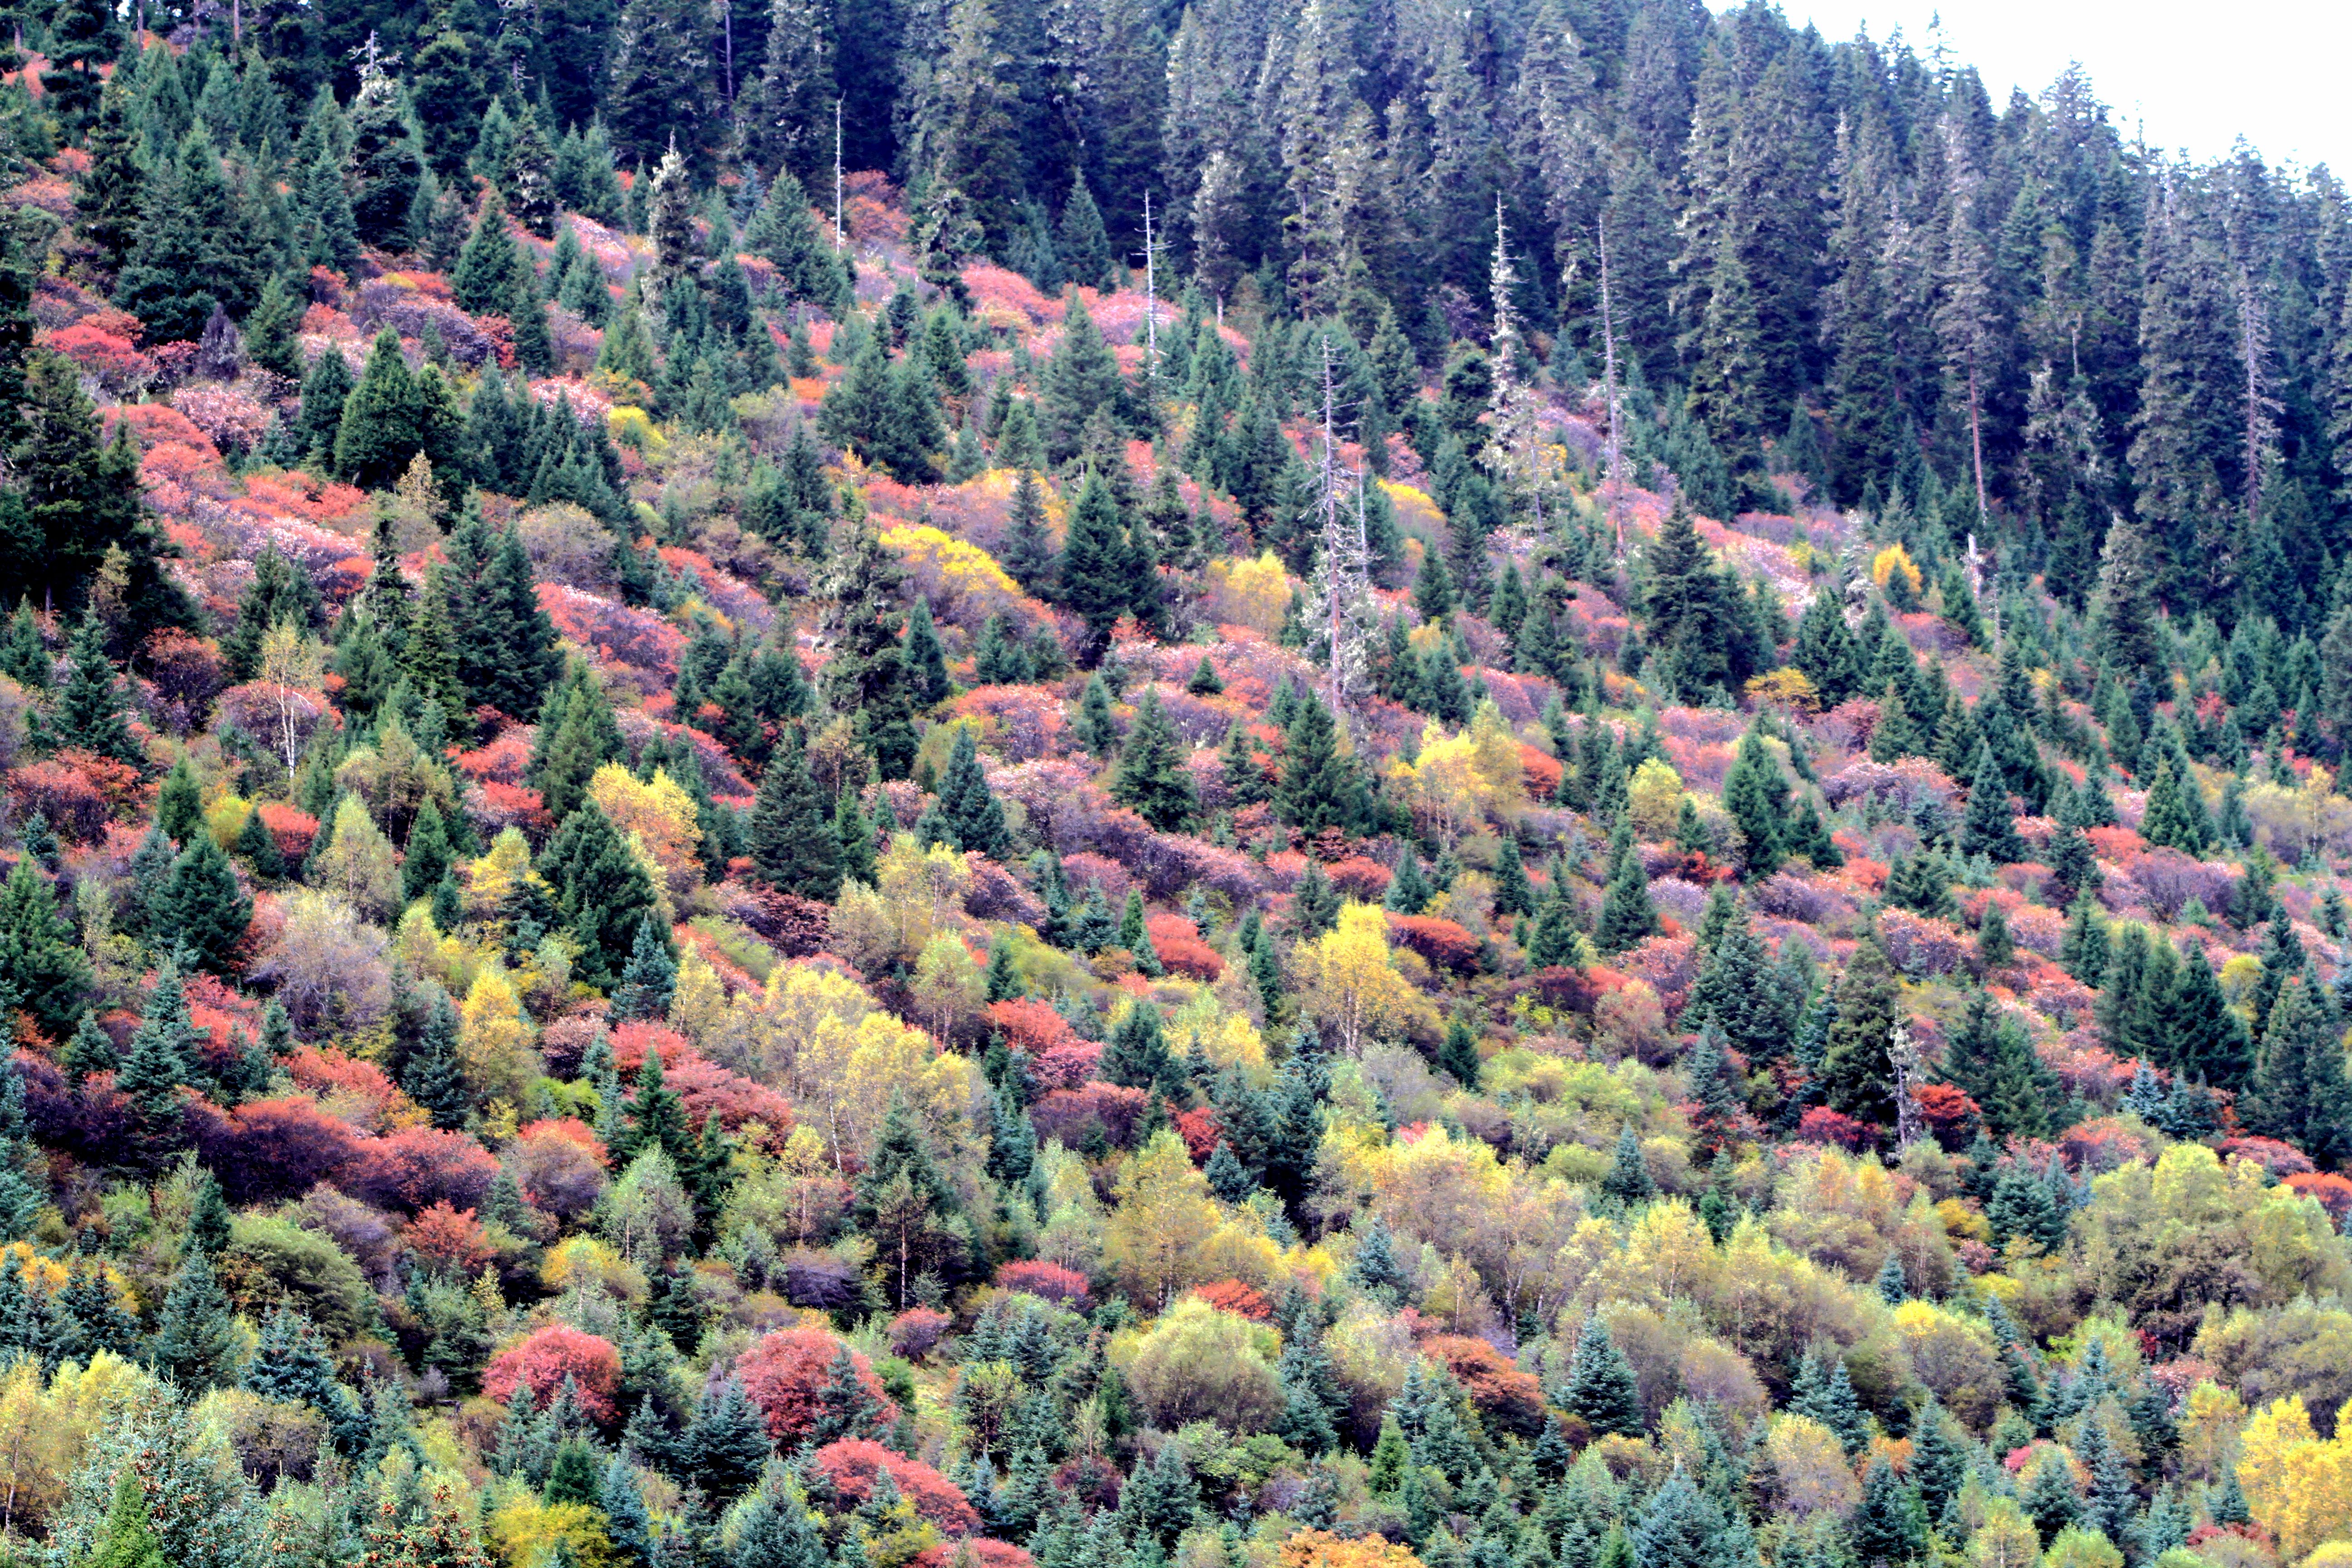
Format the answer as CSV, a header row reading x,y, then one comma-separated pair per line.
x,y
109,359
2101,1144
1565,989
1540,771
1070,1066
1498,1388
1365,880
1035,1277
1199,1132
2330,1191
1950,1113
268,1150
1085,866
325,1070
569,1128
292,828
631,1040
66,795
541,1363
796,927
187,672
710,1090
418,1166
1178,943
784,1371
1242,1301
1030,1026
1822,1125
2119,844
849,1466
449,1241
1446,944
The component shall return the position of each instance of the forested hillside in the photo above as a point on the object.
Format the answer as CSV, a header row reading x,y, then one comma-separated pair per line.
x,y
1063,785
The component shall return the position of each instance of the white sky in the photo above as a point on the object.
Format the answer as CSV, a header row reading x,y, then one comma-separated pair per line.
x,y
2271,70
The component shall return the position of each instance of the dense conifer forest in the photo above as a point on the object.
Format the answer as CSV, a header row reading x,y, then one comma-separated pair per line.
x,y
1086,783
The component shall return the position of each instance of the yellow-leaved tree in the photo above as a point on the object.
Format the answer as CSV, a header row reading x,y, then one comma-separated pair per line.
x,y
2005,1538
1460,781
494,1040
916,891
950,988
1811,1474
657,817
1657,795
2297,1487
358,861
817,1034
493,880
1073,1236
47,1426
1320,1549
2209,1420
1164,1220
1349,981
1249,592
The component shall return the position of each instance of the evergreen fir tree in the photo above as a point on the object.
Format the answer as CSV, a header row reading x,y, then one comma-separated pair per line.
x,y
1093,578
651,976
202,906
727,1444
1137,1055
1629,1180
129,1540
790,844
1757,798
1886,1528
1514,895
1319,787
1627,915
601,893
968,815
926,662
195,1340
158,1063
1151,776
1315,907
2299,1092
1988,829
1409,891
1857,1073
89,713
1602,1388
1458,1053
430,1073
1227,1178
42,967
867,680
2169,819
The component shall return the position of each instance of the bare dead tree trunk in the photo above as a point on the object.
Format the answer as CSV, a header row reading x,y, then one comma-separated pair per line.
x,y
1151,308
1615,480
2254,348
1331,529
1975,428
